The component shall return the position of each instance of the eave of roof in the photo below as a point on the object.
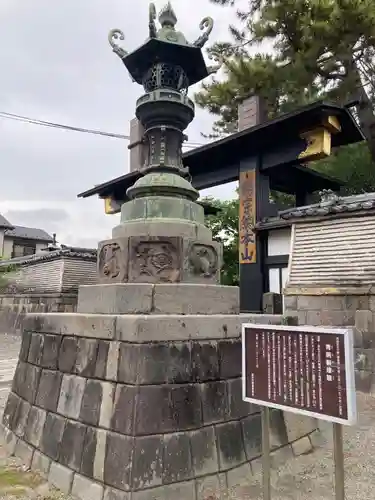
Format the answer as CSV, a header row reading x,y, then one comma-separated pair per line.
x,y
227,151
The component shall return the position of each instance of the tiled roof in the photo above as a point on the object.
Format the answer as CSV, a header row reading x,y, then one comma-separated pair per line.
x,y
331,204
29,233
4,223
45,255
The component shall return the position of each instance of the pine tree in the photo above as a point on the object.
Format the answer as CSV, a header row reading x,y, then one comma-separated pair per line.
x,y
320,49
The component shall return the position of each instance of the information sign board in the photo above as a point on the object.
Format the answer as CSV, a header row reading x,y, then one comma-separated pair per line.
x,y
302,369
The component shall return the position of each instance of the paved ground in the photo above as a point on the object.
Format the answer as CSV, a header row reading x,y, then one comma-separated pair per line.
x,y
308,477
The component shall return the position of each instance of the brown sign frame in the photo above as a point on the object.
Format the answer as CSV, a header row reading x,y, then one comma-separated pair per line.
x,y
249,374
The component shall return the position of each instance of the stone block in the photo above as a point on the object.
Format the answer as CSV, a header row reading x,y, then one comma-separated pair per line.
x,y
52,436
27,381
365,329
36,348
179,366
183,491
239,480
337,318
68,354
91,403
24,452
10,410
71,394
41,464
124,298
152,411
100,453
18,378
195,299
214,402
51,350
363,381
118,459
357,302
35,425
10,441
230,445
113,361
123,409
86,357
237,407
166,328
302,446
147,466
20,419
61,477
71,447
185,406
204,452
230,358
212,487
25,346
89,452
290,303
252,434
86,489
49,390
112,494
101,360
129,359
280,456
177,458
95,326
205,361
106,410
298,426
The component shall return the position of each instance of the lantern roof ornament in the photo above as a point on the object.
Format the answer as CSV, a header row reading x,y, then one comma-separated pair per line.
x,y
166,45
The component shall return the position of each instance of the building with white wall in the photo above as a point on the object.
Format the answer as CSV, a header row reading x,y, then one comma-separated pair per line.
x,y
19,241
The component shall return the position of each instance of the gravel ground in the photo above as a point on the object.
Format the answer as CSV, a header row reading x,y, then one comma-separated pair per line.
x,y
309,477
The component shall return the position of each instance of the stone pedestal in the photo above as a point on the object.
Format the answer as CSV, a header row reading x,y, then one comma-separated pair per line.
x,y
144,399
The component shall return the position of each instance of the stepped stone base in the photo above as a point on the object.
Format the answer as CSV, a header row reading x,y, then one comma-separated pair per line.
x,y
140,407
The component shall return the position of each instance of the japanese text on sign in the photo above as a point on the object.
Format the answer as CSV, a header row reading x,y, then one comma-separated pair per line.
x,y
302,369
247,242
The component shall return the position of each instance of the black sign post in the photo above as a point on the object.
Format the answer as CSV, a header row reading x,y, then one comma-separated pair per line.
x,y
305,370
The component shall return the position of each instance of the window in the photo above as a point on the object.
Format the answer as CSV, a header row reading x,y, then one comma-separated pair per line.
x,y
23,250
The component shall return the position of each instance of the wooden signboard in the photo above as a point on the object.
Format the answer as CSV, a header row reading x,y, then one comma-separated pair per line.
x,y
306,370
247,220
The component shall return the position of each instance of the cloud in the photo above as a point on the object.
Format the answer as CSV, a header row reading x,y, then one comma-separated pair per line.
x,y
57,66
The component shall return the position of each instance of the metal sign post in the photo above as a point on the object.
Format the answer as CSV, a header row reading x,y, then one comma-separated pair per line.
x,y
338,457
305,370
266,453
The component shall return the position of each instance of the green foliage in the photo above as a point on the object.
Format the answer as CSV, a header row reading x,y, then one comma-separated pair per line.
x,y
6,273
317,49
224,228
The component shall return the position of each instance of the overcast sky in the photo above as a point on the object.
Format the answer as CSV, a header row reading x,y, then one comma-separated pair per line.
x,y
56,65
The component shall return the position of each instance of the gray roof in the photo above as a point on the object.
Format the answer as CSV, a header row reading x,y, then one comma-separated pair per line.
x,y
29,233
4,223
331,204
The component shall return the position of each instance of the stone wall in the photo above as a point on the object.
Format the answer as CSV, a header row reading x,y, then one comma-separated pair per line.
x,y
141,407
324,310
14,307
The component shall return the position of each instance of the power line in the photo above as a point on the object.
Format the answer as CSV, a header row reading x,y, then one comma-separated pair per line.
x,y
43,123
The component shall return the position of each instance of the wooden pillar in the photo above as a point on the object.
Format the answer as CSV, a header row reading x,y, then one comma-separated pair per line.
x,y
254,195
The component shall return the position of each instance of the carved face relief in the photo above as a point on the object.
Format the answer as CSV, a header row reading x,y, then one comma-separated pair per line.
x,y
109,261
203,260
